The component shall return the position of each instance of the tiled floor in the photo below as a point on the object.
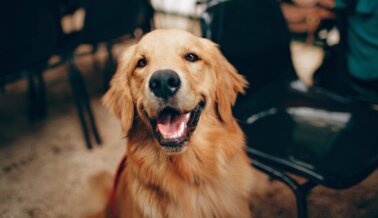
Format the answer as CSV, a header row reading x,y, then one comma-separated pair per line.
x,y
46,171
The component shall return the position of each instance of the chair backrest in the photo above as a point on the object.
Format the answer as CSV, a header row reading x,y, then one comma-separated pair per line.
x,y
253,35
108,19
30,31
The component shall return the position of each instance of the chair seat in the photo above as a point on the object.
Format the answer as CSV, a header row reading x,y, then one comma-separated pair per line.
x,y
320,136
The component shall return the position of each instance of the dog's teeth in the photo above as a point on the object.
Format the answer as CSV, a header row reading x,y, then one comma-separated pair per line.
x,y
178,134
181,129
187,116
173,136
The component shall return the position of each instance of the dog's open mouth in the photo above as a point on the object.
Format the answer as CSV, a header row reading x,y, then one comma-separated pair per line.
x,y
173,129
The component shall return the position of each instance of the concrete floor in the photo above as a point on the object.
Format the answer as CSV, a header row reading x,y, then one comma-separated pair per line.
x,y
46,170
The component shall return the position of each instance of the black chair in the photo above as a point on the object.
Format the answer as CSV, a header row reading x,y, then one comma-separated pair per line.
x,y
32,35
314,133
30,38
326,138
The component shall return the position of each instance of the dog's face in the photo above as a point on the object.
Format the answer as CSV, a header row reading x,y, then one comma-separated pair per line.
x,y
167,80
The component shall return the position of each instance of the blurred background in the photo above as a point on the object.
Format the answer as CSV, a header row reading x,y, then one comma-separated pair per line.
x,y
316,60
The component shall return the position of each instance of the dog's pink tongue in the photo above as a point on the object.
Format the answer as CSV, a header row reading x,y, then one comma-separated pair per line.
x,y
172,125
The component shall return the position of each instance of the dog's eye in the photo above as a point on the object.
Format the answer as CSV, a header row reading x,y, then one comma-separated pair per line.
x,y
141,63
191,57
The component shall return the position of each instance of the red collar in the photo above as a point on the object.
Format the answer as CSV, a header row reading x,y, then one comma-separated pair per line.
x,y
113,201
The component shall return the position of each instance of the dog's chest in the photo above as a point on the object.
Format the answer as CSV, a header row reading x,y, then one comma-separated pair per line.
x,y
187,189
187,201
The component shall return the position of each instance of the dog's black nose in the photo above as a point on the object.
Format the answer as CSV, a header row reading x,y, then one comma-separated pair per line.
x,y
164,83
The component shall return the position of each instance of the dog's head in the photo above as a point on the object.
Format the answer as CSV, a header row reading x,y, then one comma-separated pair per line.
x,y
168,80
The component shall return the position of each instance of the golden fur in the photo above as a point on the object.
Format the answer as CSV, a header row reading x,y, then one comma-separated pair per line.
x,y
212,176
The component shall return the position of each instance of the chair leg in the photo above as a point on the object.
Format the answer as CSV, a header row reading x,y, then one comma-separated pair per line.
x,y
110,66
83,105
37,95
42,106
74,79
300,191
88,109
32,96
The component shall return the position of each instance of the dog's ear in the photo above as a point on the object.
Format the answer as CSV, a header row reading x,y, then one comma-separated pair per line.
x,y
229,84
118,98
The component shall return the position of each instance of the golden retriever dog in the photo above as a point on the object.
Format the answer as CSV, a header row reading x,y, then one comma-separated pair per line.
x,y
185,154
